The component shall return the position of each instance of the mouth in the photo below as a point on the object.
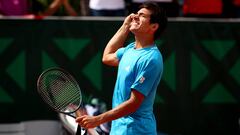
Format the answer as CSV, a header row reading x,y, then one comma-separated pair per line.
x,y
135,23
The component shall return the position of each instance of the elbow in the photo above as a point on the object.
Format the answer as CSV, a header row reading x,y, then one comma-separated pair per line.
x,y
110,62
132,108
104,60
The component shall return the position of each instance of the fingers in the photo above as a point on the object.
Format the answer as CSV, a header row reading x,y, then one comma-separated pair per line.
x,y
86,121
132,15
81,121
80,112
128,19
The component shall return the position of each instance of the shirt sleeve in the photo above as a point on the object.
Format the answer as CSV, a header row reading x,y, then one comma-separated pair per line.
x,y
120,52
148,73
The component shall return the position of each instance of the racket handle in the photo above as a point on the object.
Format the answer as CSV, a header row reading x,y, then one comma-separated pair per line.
x,y
92,131
78,130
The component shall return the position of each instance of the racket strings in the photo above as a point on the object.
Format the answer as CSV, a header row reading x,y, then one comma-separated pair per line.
x,y
60,91
68,103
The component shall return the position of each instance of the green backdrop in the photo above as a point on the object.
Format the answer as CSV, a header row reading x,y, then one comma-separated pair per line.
x,y
199,92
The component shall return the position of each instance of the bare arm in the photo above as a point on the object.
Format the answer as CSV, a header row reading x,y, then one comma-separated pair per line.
x,y
54,6
69,8
117,41
84,7
127,107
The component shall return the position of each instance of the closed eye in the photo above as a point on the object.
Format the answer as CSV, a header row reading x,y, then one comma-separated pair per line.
x,y
143,15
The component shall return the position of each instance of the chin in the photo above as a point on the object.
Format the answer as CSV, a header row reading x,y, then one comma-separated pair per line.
x,y
133,29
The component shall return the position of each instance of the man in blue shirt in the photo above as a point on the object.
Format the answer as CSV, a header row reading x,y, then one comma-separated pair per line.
x,y
140,68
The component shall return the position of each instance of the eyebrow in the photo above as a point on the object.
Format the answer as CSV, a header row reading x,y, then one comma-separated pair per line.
x,y
141,13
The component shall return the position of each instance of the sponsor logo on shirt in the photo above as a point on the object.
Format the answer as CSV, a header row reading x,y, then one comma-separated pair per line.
x,y
142,79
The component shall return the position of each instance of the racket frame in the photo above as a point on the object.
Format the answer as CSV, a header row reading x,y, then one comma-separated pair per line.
x,y
70,78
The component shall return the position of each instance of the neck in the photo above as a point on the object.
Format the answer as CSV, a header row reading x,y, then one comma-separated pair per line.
x,y
142,42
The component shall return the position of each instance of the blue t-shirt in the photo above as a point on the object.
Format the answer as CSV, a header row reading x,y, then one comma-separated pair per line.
x,y
139,69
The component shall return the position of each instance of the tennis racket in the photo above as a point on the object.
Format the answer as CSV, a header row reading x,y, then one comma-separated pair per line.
x,y
59,89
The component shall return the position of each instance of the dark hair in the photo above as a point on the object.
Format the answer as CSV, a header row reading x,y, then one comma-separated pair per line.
x,y
158,15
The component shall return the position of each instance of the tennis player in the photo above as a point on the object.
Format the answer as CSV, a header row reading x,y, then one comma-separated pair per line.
x,y
140,67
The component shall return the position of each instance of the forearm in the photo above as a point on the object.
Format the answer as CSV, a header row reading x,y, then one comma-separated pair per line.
x,y
124,109
117,40
53,8
120,111
69,8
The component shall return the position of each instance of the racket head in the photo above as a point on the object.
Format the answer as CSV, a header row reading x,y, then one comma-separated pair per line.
x,y
59,90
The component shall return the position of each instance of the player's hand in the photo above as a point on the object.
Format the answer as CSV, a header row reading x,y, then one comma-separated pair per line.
x,y
128,20
87,121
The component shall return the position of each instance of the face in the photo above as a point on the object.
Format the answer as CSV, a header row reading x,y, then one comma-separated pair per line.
x,y
141,22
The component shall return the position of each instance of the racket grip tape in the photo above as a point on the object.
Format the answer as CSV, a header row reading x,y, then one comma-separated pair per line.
x,y
78,130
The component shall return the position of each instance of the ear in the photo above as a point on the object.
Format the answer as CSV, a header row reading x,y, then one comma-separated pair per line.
x,y
154,26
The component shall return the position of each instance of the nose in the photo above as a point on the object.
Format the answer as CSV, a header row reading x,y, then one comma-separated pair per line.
x,y
136,16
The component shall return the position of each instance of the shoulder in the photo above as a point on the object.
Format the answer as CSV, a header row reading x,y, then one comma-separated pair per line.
x,y
152,58
153,55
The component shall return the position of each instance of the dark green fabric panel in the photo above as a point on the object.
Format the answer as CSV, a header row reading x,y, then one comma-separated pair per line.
x,y
199,92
